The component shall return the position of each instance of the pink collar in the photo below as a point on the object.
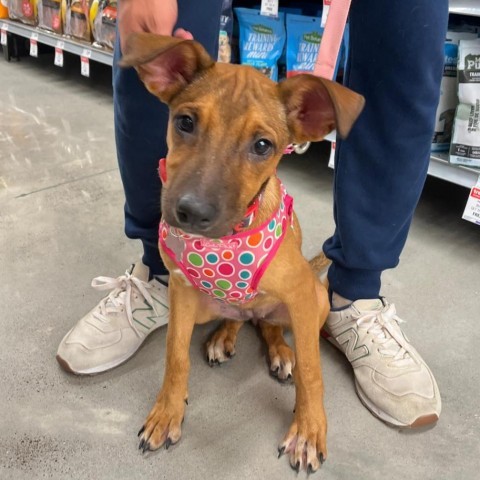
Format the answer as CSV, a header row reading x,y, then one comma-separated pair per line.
x,y
229,268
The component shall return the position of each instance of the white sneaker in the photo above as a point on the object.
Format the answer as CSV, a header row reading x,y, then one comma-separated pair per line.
x,y
114,330
391,378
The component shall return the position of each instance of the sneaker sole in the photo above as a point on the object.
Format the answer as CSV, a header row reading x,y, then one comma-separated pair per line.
x,y
106,366
422,421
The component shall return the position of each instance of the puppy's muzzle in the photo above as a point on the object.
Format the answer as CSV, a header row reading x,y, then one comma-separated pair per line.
x,y
194,214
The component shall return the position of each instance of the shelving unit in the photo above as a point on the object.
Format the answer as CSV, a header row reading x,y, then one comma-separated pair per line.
x,y
68,44
439,165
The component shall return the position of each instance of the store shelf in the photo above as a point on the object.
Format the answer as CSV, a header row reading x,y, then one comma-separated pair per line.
x,y
465,7
77,47
441,168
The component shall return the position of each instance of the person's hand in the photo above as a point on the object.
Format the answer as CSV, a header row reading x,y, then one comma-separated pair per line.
x,y
155,16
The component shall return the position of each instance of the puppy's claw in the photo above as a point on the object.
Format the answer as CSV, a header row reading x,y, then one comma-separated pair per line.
x,y
146,447
297,466
186,401
167,444
321,458
309,469
141,431
281,451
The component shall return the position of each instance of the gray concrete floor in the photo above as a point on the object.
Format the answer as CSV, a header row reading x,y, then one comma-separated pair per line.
x,y
61,224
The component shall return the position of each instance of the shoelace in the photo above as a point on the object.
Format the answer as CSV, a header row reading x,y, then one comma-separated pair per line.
x,y
384,326
122,288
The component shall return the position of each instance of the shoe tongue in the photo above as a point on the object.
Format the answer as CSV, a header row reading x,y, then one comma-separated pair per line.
x,y
368,304
140,271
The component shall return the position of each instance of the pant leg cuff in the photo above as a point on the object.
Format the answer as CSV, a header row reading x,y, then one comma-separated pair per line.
x,y
354,284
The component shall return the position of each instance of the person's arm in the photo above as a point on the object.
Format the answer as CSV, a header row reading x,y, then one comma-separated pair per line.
x,y
155,16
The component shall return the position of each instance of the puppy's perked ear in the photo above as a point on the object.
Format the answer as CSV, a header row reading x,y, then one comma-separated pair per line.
x,y
165,64
316,106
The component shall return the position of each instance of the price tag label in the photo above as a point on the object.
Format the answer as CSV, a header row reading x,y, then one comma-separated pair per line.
x,y
331,160
3,34
326,8
269,8
85,62
58,61
34,45
472,209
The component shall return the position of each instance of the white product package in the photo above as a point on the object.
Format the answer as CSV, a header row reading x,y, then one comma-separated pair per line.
x,y
448,92
465,147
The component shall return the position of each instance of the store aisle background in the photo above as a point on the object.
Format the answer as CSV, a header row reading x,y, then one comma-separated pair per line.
x,y
61,224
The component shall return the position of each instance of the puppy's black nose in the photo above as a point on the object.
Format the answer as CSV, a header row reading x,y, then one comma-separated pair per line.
x,y
194,213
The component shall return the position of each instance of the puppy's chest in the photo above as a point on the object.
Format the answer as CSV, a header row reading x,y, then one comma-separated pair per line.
x,y
271,312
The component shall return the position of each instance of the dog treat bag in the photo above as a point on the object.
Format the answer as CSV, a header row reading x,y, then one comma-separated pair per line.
x,y
465,147
304,35
23,10
50,15
448,92
225,34
303,41
104,23
261,40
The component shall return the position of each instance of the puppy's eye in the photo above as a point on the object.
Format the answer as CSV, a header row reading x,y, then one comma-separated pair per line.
x,y
262,147
185,124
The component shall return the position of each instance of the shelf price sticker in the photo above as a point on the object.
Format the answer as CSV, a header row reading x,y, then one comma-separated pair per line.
x,y
85,62
58,61
34,45
472,209
269,8
3,34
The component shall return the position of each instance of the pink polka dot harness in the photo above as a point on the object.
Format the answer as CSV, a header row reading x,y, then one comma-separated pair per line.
x,y
229,268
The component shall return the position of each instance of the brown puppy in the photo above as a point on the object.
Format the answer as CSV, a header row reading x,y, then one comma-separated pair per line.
x,y
229,126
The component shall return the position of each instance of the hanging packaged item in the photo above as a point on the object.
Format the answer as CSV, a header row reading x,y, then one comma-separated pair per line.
x,y
465,147
448,92
50,15
23,10
104,22
225,34
261,40
77,21
304,35
303,41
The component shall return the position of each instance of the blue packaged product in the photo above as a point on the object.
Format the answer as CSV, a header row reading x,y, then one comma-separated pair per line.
x,y
303,41
261,40
304,35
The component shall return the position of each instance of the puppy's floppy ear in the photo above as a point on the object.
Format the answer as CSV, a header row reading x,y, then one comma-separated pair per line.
x,y
165,64
316,106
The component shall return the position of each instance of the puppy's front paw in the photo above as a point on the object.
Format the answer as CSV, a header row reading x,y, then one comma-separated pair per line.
x,y
221,346
163,425
305,442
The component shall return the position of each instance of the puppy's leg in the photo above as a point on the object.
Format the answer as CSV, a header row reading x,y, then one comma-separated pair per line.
x,y
306,440
163,424
221,346
282,358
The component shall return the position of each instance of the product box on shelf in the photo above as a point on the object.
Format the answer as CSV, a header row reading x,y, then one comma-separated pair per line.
x,y
23,10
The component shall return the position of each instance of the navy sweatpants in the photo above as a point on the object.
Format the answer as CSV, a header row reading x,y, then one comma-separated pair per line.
x,y
141,130
396,60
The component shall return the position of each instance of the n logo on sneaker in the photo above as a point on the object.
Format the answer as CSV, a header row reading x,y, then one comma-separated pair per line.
x,y
151,317
352,350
